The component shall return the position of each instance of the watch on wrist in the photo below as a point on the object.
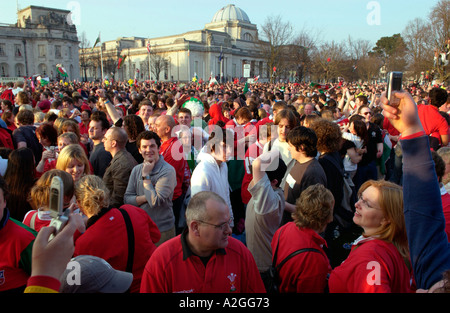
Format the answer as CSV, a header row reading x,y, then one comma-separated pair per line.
x,y
146,177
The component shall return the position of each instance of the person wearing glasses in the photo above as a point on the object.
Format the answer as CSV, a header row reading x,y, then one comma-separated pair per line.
x,y
379,259
205,258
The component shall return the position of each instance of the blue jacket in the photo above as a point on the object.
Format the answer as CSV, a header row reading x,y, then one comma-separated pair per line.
x,y
425,223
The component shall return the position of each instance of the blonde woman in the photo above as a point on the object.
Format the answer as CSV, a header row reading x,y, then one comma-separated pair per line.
x,y
106,230
73,160
379,259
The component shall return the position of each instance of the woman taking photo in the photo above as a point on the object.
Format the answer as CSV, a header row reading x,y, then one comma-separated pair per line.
x,y
40,196
106,230
379,259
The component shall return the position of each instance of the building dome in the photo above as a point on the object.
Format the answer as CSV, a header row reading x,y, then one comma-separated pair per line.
x,y
230,13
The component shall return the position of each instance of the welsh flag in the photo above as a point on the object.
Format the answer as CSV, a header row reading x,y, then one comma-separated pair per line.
x,y
96,42
61,70
121,61
43,80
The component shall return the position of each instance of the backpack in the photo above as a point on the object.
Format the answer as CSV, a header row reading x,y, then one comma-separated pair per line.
x,y
274,279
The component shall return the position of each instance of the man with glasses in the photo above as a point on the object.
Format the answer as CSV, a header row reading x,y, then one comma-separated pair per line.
x,y
204,258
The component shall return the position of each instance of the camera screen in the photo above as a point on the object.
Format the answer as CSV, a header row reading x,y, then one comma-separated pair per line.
x,y
54,200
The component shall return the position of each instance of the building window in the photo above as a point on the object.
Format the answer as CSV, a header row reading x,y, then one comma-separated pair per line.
x,y
57,52
42,51
248,37
42,69
4,70
20,70
166,69
2,50
70,52
18,50
196,67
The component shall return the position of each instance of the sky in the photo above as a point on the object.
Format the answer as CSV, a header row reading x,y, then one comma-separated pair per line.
x,y
330,20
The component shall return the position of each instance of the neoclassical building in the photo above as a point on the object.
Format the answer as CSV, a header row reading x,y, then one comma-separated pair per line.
x,y
41,39
226,48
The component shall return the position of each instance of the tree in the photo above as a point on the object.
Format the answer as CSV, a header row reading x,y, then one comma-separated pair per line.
x,y
419,39
391,51
330,61
301,52
440,27
84,60
276,34
364,66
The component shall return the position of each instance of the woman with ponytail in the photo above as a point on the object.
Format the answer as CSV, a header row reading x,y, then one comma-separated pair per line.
x,y
125,237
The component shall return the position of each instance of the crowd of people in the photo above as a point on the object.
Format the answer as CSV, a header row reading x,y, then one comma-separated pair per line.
x,y
177,187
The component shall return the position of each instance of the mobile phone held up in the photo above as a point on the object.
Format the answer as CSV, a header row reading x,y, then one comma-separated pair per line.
x,y
394,83
56,206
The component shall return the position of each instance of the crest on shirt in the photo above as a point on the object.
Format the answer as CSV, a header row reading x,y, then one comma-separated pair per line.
x,y
232,278
2,277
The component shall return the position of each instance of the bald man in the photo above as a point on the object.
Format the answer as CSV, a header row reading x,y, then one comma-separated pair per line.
x,y
172,151
119,170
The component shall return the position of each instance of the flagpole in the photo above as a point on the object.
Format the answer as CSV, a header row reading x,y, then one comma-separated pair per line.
x,y
189,63
149,64
221,65
101,53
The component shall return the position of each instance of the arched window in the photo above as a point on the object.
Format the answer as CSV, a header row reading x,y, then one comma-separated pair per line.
x,y
42,69
4,72
20,70
248,37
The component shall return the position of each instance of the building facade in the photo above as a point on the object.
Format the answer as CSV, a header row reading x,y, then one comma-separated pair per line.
x,y
41,39
227,48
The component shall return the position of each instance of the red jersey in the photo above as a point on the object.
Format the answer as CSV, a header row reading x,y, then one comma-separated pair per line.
x,y
434,124
230,270
306,272
16,243
106,237
172,152
373,266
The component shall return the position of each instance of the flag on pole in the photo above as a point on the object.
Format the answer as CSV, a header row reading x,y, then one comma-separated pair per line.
x,y
96,42
148,47
256,78
121,61
221,56
61,70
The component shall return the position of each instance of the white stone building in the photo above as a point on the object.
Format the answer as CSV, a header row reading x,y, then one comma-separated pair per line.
x,y
223,48
41,39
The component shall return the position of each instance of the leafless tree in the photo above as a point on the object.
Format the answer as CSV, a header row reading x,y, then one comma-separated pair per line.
x,y
84,47
419,40
440,27
276,35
